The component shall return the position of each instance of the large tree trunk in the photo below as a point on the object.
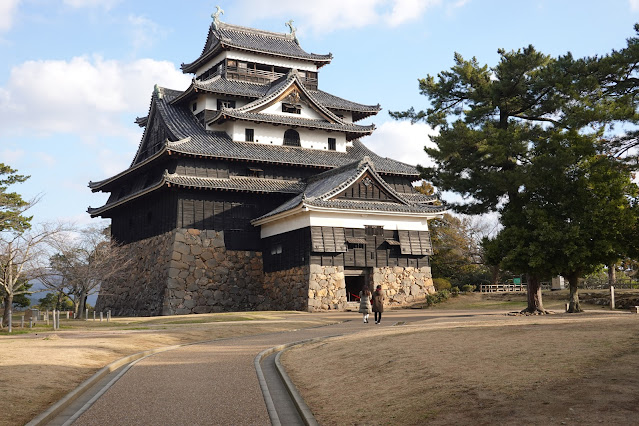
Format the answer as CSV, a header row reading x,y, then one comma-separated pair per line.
x,y
8,302
574,305
612,274
495,274
82,302
535,305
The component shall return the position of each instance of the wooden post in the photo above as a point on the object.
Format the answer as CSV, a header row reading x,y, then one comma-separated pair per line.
x,y
10,325
86,317
47,317
53,318
93,315
67,314
612,297
31,322
22,321
101,313
109,315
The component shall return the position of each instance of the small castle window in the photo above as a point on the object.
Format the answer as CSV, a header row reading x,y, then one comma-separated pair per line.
x,y
194,106
291,108
225,103
291,138
249,135
332,144
276,249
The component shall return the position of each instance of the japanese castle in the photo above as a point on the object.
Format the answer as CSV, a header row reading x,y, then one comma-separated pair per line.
x,y
252,190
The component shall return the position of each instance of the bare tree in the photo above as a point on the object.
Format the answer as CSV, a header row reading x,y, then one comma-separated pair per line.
x,y
22,255
84,260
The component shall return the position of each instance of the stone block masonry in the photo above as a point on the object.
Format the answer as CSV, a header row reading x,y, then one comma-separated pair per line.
x,y
189,271
203,276
404,285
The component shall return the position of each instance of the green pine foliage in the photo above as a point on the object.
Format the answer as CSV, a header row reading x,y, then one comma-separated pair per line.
x,y
535,138
11,203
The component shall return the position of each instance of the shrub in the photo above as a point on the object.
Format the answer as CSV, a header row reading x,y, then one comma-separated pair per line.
x,y
441,284
468,288
454,291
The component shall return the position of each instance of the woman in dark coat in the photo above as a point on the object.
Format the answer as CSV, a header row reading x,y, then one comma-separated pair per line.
x,y
365,303
378,303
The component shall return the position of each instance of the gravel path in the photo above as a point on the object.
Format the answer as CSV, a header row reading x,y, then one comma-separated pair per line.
x,y
212,383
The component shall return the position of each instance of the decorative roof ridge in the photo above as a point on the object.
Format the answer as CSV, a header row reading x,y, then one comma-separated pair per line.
x,y
240,28
292,76
230,178
179,142
373,108
150,116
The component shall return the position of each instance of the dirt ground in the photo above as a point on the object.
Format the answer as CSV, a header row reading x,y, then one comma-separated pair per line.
x,y
555,369
39,368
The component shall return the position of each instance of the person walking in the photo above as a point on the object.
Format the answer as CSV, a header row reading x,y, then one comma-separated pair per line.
x,y
365,303
378,303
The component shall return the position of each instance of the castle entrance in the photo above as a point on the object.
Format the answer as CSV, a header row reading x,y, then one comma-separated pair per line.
x,y
355,280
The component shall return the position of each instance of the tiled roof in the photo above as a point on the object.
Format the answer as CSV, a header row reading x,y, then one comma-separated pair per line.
x,y
419,198
233,183
197,141
249,39
237,183
332,101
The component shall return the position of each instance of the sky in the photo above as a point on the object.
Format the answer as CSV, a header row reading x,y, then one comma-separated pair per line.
x,y
75,74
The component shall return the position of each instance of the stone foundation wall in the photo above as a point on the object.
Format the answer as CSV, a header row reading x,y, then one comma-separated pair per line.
x,y
404,285
143,293
326,288
189,271
205,277
288,289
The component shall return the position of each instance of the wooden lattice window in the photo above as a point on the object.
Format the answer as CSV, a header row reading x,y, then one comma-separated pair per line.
x,y
291,138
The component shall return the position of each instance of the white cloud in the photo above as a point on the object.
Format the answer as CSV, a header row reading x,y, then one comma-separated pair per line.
x,y
105,4
8,10
86,96
402,141
634,5
144,31
330,15
10,156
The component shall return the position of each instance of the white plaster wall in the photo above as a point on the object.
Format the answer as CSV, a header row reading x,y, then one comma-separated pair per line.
x,y
306,111
344,220
252,57
274,135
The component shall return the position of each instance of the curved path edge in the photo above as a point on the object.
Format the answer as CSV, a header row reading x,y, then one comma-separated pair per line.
x,y
303,409
57,408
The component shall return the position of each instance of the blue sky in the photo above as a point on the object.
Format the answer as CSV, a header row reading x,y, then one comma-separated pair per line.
x,y
76,73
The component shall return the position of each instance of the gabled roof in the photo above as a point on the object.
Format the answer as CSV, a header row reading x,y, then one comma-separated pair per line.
x,y
292,81
321,191
233,37
188,137
221,85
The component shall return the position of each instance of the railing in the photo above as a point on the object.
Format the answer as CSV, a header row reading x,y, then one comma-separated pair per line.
x,y
492,288
261,76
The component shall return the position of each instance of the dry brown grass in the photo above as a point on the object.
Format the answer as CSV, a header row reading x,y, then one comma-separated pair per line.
x,y
39,368
518,370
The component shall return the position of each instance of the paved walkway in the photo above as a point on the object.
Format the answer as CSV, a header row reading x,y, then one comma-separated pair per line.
x,y
216,383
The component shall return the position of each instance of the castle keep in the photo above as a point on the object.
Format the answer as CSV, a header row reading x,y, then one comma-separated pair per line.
x,y
251,190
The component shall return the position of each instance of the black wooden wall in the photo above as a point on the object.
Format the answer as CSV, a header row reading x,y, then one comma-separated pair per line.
x,y
373,251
